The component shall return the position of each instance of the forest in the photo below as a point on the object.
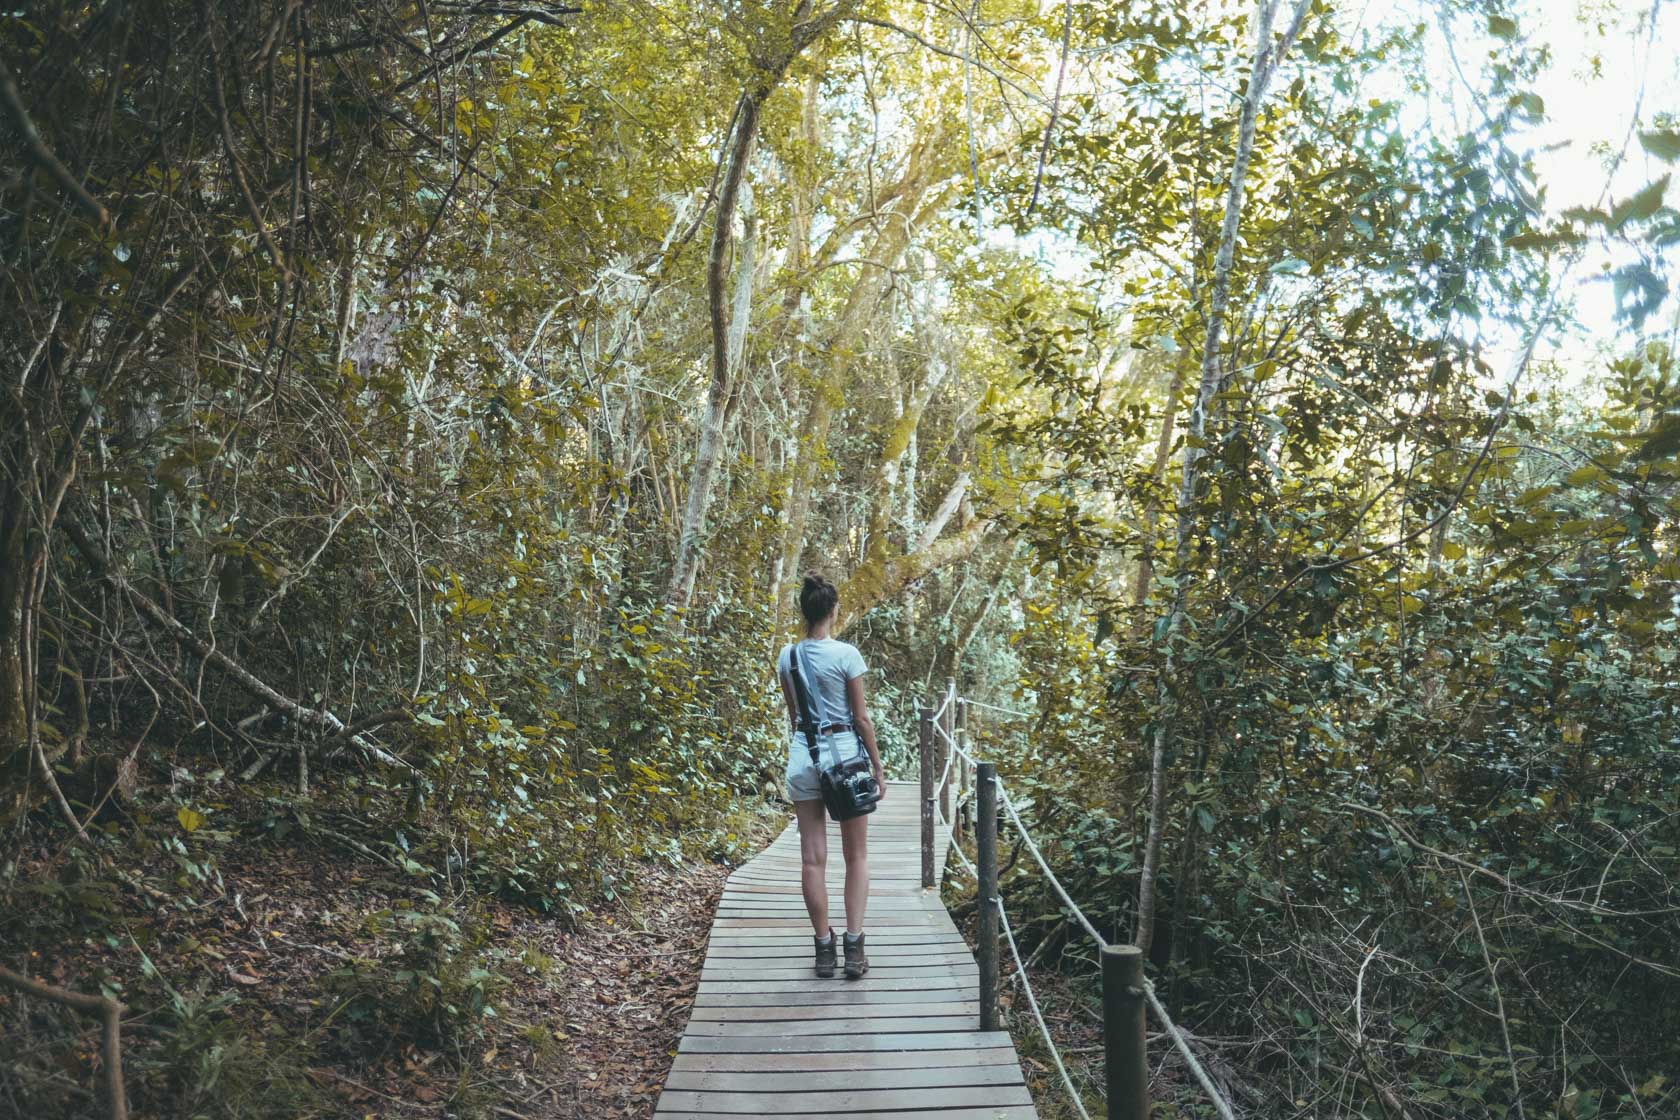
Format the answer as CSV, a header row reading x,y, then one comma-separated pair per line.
x,y
419,416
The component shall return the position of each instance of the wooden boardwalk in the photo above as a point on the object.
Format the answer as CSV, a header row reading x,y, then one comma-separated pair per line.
x,y
767,1038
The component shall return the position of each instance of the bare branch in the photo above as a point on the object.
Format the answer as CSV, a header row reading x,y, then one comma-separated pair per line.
x,y
44,155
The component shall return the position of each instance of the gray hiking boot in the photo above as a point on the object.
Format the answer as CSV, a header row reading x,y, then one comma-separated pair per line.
x,y
826,954
856,963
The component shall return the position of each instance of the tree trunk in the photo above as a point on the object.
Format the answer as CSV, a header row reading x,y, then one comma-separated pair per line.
x,y
1188,527
1152,512
806,29
704,472
14,723
826,395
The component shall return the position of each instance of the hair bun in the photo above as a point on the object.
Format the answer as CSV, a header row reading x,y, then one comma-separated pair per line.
x,y
817,598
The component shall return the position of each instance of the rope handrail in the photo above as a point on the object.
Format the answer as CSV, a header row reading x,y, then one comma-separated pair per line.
x,y
1032,1002
997,708
1180,1043
1021,973
944,775
952,846
1055,883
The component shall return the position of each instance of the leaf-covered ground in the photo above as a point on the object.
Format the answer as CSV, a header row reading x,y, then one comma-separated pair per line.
x,y
307,978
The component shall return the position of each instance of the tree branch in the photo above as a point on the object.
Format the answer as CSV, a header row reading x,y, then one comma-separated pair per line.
x,y
44,155
108,1010
244,677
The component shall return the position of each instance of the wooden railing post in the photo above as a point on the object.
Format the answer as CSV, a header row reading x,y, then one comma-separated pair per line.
x,y
945,752
962,772
1123,1032
924,730
985,842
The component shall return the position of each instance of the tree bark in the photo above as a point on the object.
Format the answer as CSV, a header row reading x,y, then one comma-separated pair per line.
x,y
704,472
880,578
1265,65
14,722
1152,512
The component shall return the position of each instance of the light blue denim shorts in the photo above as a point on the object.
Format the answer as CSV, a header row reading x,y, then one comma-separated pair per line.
x,y
803,783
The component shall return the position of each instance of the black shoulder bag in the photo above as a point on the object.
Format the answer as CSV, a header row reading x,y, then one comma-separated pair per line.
x,y
848,788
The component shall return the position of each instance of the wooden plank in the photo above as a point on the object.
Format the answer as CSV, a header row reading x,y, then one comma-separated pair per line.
x,y
832,1012
831,1028
843,995
863,1043
802,960
802,937
805,1064
810,1081
1019,1112
794,900
857,1100
883,979
878,966
900,923
814,985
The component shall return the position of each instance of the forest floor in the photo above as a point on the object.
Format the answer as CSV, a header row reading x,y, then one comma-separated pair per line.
x,y
306,978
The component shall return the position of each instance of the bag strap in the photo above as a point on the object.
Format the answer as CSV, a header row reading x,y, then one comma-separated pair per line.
x,y
816,724
807,713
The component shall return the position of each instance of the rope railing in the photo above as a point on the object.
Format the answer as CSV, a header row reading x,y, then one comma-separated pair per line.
x,y
1055,883
1126,991
996,708
1183,1046
1032,1002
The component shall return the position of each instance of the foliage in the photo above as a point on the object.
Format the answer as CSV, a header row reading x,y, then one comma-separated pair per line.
x,y
361,353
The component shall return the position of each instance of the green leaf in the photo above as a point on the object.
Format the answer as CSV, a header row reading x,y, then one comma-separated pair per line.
x,y
1641,206
1586,476
1502,27
1664,143
1660,441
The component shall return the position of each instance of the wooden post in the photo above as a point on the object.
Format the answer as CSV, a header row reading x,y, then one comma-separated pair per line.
x,y
985,840
1123,1032
961,771
924,729
945,751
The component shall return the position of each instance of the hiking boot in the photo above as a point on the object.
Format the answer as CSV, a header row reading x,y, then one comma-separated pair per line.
x,y
825,954
856,963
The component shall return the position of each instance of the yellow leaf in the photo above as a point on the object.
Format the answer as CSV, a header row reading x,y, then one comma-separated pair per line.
x,y
190,820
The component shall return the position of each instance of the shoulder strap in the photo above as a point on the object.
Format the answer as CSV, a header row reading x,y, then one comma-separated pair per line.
x,y
807,714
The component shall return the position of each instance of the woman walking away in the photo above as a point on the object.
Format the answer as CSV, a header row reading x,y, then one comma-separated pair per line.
x,y
832,672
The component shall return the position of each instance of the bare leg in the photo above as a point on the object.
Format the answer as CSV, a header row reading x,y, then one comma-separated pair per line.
x,y
813,858
854,845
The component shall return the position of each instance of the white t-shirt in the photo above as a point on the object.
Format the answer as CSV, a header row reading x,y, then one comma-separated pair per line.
x,y
828,664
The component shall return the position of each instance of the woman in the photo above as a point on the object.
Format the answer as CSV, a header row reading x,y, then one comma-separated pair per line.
x,y
833,674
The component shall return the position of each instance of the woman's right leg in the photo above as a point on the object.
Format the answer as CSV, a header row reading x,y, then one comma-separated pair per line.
x,y
813,860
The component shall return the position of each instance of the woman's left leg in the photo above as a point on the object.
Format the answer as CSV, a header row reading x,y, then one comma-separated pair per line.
x,y
854,845
813,858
